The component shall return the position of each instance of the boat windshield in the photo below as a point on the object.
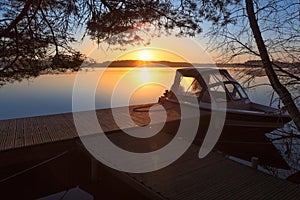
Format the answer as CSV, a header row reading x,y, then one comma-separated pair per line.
x,y
213,78
235,91
225,91
219,86
189,86
223,83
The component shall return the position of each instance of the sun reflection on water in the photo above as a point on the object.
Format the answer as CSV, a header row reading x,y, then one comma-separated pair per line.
x,y
144,84
144,75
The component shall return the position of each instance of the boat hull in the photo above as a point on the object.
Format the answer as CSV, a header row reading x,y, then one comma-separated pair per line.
x,y
235,123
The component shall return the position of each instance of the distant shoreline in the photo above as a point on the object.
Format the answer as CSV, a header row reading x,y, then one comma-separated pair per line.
x,y
162,64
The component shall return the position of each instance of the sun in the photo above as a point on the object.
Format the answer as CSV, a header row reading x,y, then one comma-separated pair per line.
x,y
144,55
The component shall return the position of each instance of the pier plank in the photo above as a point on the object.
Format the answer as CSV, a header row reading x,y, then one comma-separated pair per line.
x,y
42,130
10,139
19,140
4,127
36,136
28,132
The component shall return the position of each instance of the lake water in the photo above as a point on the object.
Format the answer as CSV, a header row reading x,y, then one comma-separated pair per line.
x,y
52,93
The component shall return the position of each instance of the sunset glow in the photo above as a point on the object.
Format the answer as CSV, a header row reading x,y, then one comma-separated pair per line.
x,y
145,55
151,54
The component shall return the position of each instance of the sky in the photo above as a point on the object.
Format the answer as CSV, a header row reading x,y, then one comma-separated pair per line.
x,y
169,48
192,50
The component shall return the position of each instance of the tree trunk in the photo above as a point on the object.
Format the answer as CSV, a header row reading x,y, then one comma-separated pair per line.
x,y
280,89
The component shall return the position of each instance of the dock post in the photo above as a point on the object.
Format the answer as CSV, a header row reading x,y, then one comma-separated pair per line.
x,y
254,162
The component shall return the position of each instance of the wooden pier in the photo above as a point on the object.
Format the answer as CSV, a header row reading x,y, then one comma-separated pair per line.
x,y
213,177
32,131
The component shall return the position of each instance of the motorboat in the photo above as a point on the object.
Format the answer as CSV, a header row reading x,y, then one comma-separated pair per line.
x,y
216,90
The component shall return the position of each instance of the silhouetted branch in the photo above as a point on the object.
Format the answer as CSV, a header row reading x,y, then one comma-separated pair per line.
x,y
52,31
15,22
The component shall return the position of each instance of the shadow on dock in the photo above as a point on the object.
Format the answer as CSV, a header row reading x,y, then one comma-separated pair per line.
x,y
68,175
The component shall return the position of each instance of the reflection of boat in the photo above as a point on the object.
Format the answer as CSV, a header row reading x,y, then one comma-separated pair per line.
x,y
216,87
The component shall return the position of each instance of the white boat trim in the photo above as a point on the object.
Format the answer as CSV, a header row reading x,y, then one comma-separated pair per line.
x,y
206,106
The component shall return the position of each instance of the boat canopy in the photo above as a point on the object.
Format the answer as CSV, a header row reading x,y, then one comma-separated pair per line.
x,y
208,84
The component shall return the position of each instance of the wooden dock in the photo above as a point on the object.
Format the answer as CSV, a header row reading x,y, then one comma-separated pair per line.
x,y
214,177
32,131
